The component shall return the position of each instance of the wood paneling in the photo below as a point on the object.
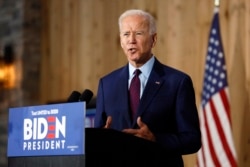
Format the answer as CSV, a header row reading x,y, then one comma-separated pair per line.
x,y
80,43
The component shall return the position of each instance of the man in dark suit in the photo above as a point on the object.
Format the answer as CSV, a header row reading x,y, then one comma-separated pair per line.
x,y
167,112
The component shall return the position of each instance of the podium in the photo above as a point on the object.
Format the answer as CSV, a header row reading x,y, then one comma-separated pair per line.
x,y
107,147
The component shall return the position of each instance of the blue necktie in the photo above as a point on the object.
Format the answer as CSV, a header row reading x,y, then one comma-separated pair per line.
x,y
134,92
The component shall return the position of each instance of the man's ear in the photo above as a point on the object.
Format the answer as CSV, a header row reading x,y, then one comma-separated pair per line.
x,y
154,36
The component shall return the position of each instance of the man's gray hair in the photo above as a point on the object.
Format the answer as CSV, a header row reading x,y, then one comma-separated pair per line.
x,y
138,12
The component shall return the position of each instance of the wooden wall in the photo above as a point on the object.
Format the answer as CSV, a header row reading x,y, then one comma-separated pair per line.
x,y
80,43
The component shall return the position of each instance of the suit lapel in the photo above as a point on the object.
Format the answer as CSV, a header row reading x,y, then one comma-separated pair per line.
x,y
123,92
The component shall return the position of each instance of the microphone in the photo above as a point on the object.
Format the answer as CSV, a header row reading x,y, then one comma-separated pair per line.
x,y
86,96
74,97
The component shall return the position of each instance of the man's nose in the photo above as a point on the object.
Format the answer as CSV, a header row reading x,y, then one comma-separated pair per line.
x,y
132,38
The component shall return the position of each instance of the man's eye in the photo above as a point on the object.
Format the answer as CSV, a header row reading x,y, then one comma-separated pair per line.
x,y
139,33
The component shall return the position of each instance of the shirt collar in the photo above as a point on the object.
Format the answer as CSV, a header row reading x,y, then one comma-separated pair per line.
x,y
145,69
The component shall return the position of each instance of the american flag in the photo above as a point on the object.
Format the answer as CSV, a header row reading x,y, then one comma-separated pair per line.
x,y
217,142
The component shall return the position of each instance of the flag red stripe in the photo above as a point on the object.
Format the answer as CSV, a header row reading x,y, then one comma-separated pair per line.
x,y
210,143
226,104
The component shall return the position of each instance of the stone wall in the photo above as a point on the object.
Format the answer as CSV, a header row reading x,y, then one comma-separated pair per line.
x,y
20,27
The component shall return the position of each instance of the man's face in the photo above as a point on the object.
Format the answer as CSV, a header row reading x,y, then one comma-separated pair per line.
x,y
136,40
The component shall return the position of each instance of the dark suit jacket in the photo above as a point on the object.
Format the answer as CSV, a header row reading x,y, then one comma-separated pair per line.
x,y
167,106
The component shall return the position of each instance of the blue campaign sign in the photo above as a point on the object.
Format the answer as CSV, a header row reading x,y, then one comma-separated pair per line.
x,y
55,129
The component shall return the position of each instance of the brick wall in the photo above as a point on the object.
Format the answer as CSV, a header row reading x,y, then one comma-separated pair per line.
x,y
20,27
